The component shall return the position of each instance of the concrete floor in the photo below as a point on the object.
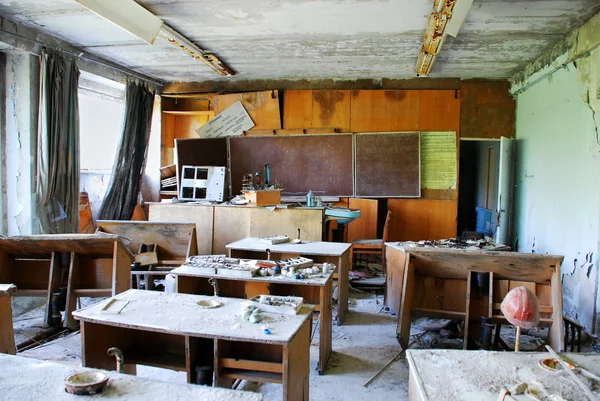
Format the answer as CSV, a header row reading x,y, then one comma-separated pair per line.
x,y
365,342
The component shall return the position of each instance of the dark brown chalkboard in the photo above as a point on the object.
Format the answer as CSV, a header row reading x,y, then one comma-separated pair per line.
x,y
388,165
321,163
200,152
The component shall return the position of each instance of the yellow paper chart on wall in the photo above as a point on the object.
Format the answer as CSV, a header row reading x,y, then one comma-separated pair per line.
x,y
438,160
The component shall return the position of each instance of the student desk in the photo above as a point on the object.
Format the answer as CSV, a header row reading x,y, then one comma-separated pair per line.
x,y
172,331
316,291
32,379
337,253
478,375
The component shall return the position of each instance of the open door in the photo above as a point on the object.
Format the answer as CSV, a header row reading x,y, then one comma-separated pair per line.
x,y
505,193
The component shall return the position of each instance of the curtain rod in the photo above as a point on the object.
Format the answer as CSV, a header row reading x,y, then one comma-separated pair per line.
x,y
81,56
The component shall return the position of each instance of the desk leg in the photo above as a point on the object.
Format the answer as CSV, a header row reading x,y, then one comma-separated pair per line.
x,y
296,360
343,283
96,339
7,334
325,329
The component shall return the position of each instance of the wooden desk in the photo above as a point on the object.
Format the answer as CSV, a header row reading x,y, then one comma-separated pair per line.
x,y
447,284
337,253
172,331
218,225
32,379
7,333
96,266
395,256
175,242
316,291
479,375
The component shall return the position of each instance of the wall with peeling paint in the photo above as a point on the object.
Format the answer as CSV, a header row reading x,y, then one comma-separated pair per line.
x,y
557,185
20,142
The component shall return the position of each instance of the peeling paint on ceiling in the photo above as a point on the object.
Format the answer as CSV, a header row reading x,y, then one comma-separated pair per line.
x,y
313,39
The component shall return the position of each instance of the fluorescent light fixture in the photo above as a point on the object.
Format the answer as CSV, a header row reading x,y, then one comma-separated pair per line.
x,y
127,15
447,18
459,14
195,52
135,19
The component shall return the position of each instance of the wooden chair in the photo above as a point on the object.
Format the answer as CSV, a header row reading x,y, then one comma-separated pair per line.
x,y
371,246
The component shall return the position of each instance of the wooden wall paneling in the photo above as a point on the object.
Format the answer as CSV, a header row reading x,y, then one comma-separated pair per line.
x,y
264,223
487,110
343,202
225,218
167,146
439,110
422,219
186,125
297,109
365,227
331,109
263,107
384,110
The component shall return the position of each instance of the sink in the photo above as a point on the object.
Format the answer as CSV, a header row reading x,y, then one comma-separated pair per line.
x,y
342,215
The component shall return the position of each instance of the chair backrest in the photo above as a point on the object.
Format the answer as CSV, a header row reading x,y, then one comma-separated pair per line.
x,y
386,227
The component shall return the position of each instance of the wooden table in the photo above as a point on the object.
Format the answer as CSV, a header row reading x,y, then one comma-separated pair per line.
x,y
172,331
32,379
7,333
465,285
96,266
478,375
316,291
337,253
395,256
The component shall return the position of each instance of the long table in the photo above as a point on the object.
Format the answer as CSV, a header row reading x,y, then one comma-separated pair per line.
x,y
32,379
316,291
479,375
337,253
173,331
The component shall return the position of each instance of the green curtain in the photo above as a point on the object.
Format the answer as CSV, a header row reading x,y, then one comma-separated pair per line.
x,y
126,179
58,145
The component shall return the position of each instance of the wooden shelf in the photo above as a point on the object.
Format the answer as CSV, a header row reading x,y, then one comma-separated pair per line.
x,y
93,292
439,313
168,193
166,360
31,293
251,375
191,113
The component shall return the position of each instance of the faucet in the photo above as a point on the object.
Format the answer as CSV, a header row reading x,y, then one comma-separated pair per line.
x,y
213,281
118,354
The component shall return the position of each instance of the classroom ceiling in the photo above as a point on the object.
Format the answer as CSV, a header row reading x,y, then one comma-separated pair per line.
x,y
312,39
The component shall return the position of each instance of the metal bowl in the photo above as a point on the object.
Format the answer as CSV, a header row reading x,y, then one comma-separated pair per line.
x,y
86,383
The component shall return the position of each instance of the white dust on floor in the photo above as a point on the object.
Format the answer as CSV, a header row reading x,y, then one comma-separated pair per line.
x,y
361,346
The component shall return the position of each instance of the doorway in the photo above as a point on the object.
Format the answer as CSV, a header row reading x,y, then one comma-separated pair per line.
x,y
479,177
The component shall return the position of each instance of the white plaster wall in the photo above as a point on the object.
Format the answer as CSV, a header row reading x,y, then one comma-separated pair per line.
x,y
557,185
22,87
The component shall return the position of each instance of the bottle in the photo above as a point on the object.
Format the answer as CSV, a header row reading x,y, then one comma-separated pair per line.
x,y
310,199
267,174
257,180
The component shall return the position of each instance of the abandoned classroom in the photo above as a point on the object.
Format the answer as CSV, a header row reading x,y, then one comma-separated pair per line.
x,y
300,200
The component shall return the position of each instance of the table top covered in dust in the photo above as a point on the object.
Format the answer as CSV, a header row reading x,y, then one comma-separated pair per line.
x,y
180,314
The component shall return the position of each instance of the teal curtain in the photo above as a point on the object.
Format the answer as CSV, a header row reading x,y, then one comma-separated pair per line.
x,y
126,179
58,145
